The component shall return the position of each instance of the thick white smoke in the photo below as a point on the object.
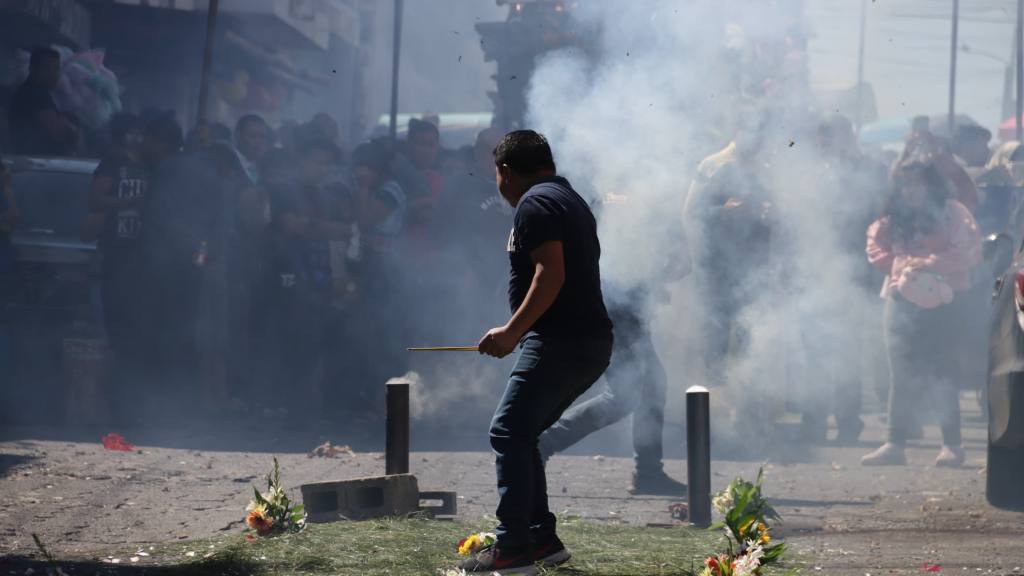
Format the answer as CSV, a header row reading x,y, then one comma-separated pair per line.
x,y
635,116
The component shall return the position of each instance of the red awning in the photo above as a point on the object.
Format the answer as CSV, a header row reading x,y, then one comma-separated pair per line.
x,y
1008,129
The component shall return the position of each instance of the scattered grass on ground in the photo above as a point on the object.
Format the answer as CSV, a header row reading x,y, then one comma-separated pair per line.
x,y
395,548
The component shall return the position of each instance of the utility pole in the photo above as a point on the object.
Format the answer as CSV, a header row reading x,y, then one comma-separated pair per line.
x,y
860,64
1019,108
396,58
204,79
952,67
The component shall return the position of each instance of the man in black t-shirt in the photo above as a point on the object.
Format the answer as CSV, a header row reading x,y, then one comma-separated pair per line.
x,y
560,323
37,125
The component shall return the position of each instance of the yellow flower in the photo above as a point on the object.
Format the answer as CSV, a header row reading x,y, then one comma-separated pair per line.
x,y
745,529
258,520
470,545
765,536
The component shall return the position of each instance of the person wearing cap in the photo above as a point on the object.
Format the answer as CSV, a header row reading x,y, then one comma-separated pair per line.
x,y
970,145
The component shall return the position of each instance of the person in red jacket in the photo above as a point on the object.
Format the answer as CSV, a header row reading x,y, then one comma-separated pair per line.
x,y
927,244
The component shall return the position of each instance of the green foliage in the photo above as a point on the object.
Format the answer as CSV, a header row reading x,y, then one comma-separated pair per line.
x,y
747,516
272,513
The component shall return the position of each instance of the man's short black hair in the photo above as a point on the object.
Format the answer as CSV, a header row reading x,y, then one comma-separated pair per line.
x,y
524,151
244,121
417,127
162,127
972,131
376,155
41,54
121,124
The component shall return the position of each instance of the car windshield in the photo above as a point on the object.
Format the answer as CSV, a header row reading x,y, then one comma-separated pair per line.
x,y
51,203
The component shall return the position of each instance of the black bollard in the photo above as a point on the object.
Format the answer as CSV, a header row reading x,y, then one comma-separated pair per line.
x,y
698,455
396,443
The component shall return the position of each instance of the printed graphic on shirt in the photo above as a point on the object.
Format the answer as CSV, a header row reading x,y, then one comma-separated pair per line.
x,y
129,221
498,204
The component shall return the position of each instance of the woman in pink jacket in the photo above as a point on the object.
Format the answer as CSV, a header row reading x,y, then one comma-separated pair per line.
x,y
927,244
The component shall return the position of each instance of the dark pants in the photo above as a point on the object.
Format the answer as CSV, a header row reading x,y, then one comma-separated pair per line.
x,y
635,384
301,347
921,350
549,375
832,383
125,320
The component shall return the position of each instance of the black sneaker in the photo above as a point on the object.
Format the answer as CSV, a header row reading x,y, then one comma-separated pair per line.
x,y
813,429
848,433
656,484
550,554
492,560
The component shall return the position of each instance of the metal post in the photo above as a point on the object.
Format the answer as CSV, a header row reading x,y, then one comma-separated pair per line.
x,y
204,79
1019,108
952,67
698,454
396,58
396,443
860,64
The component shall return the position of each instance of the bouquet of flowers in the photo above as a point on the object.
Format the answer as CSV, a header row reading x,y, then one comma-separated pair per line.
x,y
746,515
272,512
475,542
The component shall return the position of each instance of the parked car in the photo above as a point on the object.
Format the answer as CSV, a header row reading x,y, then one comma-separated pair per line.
x,y
52,310
1005,389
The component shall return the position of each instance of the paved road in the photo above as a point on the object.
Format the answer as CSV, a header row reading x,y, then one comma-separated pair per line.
x,y
845,519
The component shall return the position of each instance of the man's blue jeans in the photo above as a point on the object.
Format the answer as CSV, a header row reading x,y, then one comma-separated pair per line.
x,y
549,375
635,384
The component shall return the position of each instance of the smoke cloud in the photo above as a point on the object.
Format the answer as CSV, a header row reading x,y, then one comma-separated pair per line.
x,y
663,88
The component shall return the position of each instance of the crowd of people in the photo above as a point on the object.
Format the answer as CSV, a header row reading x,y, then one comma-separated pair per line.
x,y
233,259
237,259
919,216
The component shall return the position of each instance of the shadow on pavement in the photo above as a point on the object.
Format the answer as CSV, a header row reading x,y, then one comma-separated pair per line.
x,y
802,503
9,461
29,565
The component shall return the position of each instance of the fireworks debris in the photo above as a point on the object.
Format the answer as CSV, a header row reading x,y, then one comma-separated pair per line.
x,y
117,443
679,511
326,450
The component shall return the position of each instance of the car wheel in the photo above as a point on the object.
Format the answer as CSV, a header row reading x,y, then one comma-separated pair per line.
x,y
1005,470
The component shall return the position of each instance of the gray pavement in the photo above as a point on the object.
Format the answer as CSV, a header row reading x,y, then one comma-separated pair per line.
x,y
839,518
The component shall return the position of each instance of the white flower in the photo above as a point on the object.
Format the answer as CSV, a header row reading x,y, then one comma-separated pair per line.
x,y
723,502
749,562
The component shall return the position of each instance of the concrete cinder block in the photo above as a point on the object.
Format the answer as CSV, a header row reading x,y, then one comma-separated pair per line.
x,y
362,498
447,506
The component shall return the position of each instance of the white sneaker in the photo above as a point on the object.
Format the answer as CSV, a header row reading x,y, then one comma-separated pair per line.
x,y
950,457
888,454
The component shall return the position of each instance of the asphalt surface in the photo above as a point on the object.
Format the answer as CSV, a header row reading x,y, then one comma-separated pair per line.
x,y
839,518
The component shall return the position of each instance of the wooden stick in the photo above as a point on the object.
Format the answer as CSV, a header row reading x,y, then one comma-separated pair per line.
x,y
446,349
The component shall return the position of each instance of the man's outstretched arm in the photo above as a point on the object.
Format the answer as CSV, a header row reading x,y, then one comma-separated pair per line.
x,y
548,279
